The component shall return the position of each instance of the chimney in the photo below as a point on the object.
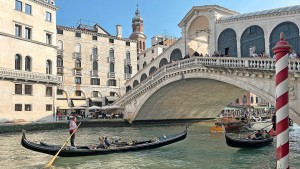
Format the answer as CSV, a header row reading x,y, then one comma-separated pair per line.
x,y
119,31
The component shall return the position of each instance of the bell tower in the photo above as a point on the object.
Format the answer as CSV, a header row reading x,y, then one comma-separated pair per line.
x,y
138,31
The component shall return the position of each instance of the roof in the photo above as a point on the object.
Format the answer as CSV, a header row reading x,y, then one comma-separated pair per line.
x,y
263,12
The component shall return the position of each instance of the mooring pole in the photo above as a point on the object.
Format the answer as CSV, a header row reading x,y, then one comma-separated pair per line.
x,y
281,51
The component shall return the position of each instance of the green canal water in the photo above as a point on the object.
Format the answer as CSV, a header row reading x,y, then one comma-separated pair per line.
x,y
200,150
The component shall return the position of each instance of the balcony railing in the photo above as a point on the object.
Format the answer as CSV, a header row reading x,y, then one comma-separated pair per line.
x,y
60,70
111,75
29,76
77,71
94,73
94,57
127,61
77,55
111,59
60,52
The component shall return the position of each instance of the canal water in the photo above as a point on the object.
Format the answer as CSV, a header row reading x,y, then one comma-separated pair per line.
x,y
200,150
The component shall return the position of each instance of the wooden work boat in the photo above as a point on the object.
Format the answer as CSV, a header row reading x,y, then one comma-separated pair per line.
x,y
246,143
88,151
229,126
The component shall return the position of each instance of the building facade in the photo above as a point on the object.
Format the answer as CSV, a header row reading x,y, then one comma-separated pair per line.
x,y
28,60
94,66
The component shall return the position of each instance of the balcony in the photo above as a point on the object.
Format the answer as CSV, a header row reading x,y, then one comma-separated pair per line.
x,y
60,52
60,70
29,76
94,73
77,71
111,75
111,59
94,57
127,61
77,55
127,76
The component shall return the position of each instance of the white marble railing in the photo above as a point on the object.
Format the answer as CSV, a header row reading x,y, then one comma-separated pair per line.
x,y
31,76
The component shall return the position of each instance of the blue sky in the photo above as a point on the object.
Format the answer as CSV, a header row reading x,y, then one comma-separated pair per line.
x,y
160,16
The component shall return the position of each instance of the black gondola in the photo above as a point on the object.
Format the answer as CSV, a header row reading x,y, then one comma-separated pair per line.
x,y
89,151
246,143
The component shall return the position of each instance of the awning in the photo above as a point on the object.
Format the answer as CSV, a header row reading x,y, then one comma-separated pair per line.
x,y
98,99
111,107
233,108
111,98
94,108
79,103
62,104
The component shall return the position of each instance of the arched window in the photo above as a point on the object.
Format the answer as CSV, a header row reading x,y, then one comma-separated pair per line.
x,y
18,62
176,55
95,51
77,48
111,67
244,99
163,62
27,64
78,63
127,55
60,45
95,65
227,43
144,64
60,62
48,67
111,53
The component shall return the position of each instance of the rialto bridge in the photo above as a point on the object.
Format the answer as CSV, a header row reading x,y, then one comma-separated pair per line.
x,y
179,85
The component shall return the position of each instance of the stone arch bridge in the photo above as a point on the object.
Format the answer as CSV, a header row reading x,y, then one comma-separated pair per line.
x,y
201,87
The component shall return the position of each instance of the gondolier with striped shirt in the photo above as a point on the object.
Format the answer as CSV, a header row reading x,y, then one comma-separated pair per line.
x,y
72,128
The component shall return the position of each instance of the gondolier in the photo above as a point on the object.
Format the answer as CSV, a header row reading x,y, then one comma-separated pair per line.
x,y
72,127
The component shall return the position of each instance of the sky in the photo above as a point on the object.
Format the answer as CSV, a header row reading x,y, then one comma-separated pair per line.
x,y
161,17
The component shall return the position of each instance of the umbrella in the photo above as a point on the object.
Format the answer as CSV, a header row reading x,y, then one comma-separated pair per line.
x,y
94,108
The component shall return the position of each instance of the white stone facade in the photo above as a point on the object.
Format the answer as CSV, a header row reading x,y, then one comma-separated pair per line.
x,y
28,41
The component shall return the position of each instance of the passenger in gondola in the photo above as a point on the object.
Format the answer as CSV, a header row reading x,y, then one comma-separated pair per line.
x,y
258,135
265,134
102,143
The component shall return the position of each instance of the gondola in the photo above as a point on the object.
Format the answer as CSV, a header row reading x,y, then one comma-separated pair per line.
x,y
246,143
91,151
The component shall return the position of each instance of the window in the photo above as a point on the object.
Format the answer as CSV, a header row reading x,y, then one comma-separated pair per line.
x,y
78,93
95,51
77,63
152,50
78,34
112,82
257,101
95,81
48,16
112,94
48,38
28,89
111,53
60,31
59,92
94,37
237,101
18,88
138,58
48,107
48,67
251,98
48,91
127,69
18,6
138,67
95,65
60,62
28,107
144,64
77,80
95,94
111,67
18,30
127,55
27,33
18,62
127,43
18,107
144,54
111,40
28,9
27,63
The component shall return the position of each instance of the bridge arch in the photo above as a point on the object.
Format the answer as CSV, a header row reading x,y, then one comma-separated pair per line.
x,y
143,77
291,35
163,62
227,43
152,70
252,37
176,55
135,83
128,88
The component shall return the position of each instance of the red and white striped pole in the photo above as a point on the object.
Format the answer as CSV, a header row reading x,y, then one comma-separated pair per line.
x,y
281,51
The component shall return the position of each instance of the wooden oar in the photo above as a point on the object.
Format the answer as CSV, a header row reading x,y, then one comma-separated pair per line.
x,y
49,164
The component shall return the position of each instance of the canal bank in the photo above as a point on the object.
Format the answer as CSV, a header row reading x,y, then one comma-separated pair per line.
x,y
37,126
